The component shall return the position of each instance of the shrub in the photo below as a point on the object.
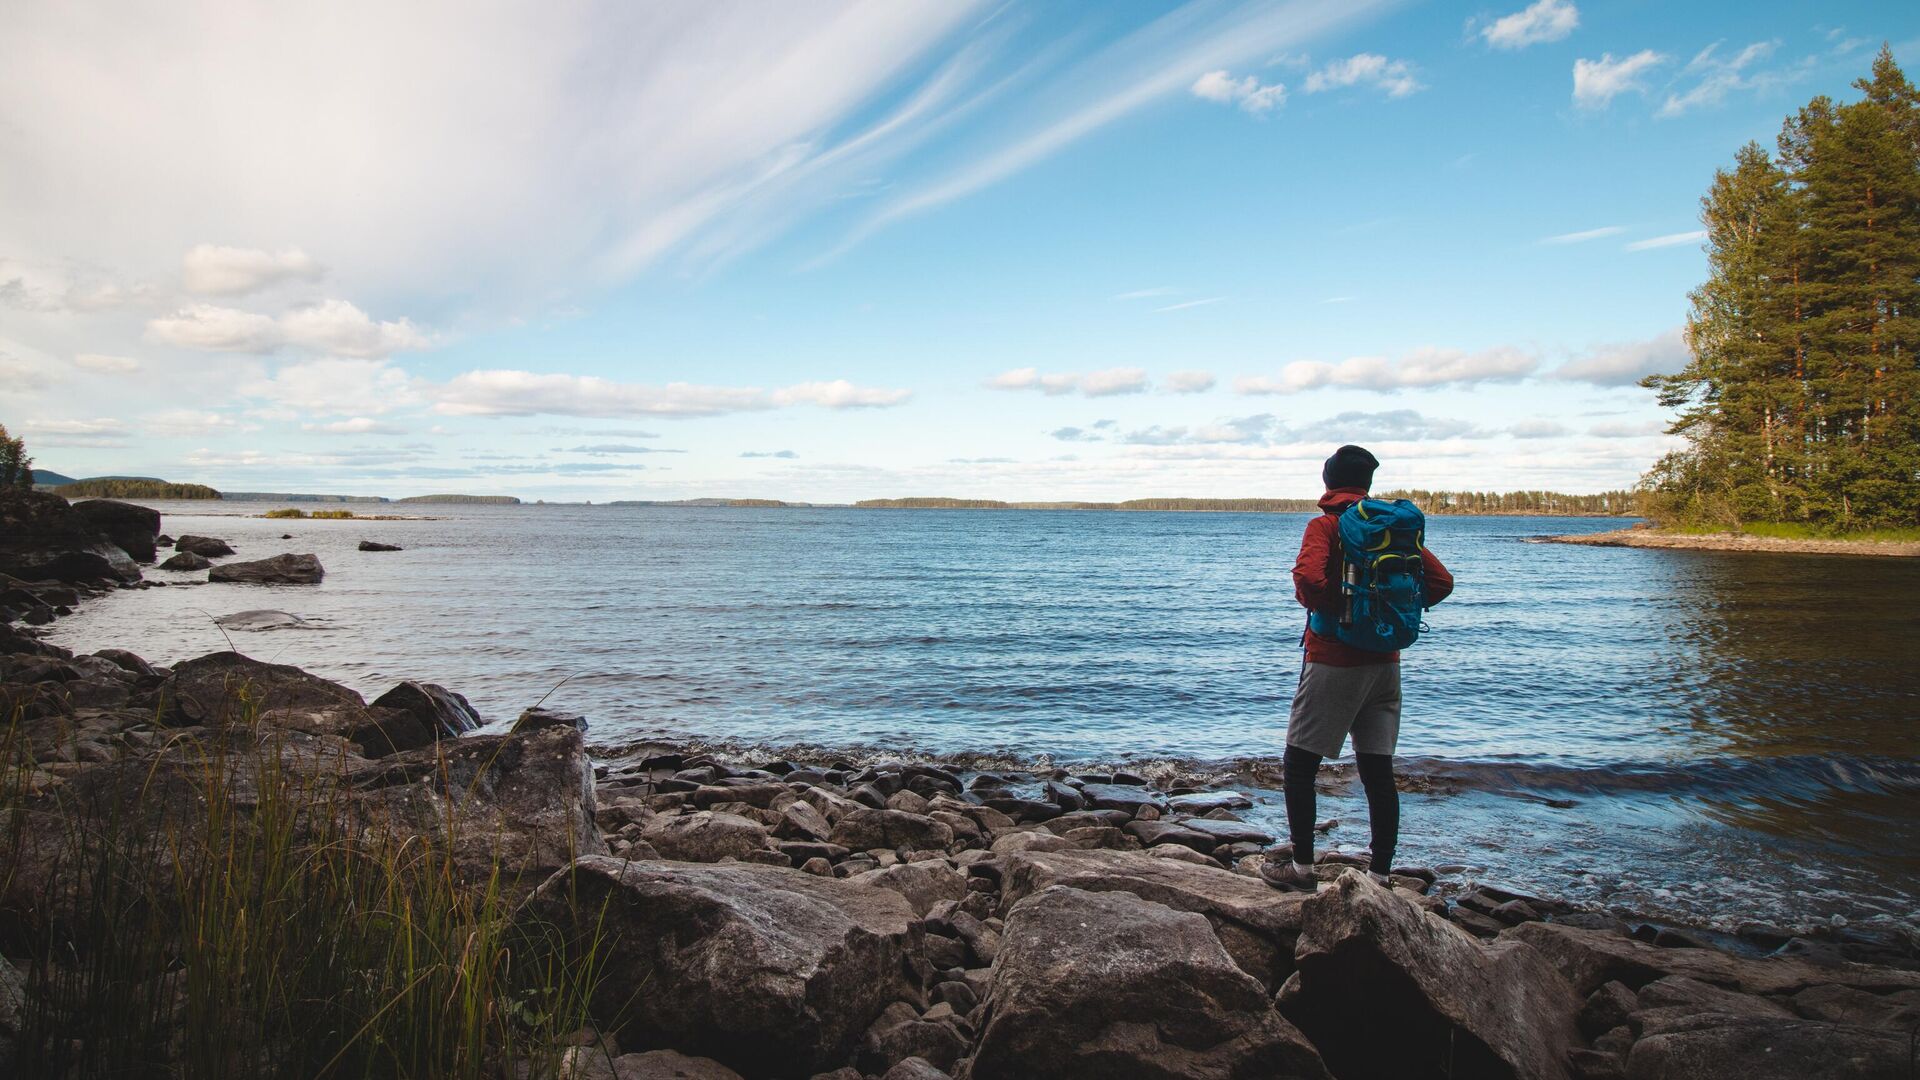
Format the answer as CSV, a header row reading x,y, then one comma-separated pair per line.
x,y
285,512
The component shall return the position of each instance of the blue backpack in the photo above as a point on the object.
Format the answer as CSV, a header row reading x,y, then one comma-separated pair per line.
x,y
1384,587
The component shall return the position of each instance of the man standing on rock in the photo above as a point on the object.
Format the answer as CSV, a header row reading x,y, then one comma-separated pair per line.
x,y
1343,689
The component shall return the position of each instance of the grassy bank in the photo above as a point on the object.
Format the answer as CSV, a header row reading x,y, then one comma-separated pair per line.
x,y
1798,531
214,905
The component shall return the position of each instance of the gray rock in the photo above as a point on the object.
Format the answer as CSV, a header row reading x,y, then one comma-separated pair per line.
x,y
1256,923
1106,985
372,545
1035,840
1371,962
1125,797
536,718
705,836
1156,833
914,1068
1228,832
669,1065
1200,802
866,829
443,713
924,884
768,970
186,560
1846,1005
227,687
205,546
279,570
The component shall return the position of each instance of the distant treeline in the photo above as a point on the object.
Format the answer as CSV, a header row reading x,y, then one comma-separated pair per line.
x,y
133,489
496,500
285,496
1433,502
1605,504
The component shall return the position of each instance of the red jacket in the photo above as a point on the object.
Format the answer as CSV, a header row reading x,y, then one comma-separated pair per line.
x,y
1316,581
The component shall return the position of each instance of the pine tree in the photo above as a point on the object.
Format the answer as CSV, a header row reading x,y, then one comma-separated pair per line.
x,y
1801,400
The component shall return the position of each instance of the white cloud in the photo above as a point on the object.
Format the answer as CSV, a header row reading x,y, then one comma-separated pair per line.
x,y
97,426
1114,381
220,329
840,394
1107,383
1669,240
527,393
1625,364
1422,367
186,422
1546,20
1246,92
112,365
230,271
1584,235
330,326
787,455
338,327
1717,78
1396,77
1597,82
335,385
359,425
1189,382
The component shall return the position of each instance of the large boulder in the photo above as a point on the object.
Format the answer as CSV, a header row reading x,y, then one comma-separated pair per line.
x,y
186,560
1718,1047
924,884
522,805
279,570
704,836
1255,922
867,828
1105,985
769,970
42,538
1590,958
442,712
227,687
1372,962
131,528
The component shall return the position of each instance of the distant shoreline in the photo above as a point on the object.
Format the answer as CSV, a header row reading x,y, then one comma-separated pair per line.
x,y
1654,538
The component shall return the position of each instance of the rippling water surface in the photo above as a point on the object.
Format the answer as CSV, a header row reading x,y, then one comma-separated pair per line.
x,y
1712,717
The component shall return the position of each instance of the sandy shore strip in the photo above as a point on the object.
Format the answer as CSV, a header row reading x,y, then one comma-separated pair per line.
x,y
1652,538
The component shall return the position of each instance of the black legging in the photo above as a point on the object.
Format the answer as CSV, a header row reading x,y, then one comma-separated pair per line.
x,y
1383,803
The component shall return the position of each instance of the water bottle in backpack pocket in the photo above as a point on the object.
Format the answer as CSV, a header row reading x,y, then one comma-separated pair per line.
x,y
1383,578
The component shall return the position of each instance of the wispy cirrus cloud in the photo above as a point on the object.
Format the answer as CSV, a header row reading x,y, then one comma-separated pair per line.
x,y
1669,240
1585,235
527,393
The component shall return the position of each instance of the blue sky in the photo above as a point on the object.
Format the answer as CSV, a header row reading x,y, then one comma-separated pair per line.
x,y
1027,251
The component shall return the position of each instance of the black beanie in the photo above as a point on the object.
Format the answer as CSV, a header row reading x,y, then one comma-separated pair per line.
x,y
1349,467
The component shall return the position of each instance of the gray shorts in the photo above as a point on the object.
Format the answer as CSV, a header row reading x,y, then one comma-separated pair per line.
x,y
1334,701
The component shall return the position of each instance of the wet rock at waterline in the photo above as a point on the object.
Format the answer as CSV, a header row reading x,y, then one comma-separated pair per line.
x,y
186,560
205,546
279,570
371,545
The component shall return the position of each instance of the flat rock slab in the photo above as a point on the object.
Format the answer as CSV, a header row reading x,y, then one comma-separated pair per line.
x,y
1255,922
1372,963
768,970
279,570
1125,797
1099,986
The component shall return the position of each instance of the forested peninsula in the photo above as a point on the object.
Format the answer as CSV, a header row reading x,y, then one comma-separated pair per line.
x,y
1800,403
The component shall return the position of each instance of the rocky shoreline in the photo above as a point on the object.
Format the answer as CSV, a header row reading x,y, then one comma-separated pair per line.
x,y
1653,538
902,920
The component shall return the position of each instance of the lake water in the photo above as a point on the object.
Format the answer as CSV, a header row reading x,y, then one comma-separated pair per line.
x,y
1735,733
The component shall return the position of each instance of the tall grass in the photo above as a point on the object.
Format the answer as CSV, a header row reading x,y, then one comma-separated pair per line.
x,y
225,909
